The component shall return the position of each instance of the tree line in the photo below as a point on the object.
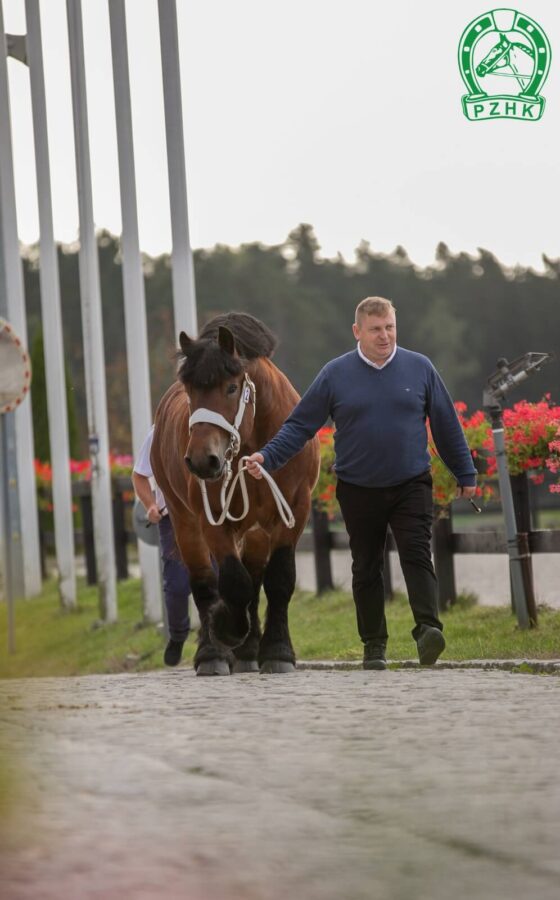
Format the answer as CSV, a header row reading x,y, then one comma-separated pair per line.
x,y
464,311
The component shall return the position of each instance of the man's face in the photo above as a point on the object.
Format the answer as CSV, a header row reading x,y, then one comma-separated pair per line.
x,y
377,336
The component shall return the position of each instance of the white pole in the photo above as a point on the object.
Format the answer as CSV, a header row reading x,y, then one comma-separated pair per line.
x,y
52,321
17,317
133,288
184,297
92,323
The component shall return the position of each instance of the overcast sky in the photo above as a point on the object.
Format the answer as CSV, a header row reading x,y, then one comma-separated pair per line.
x,y
342,113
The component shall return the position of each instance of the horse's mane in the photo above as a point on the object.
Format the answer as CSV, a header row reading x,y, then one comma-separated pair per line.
x,y
206,365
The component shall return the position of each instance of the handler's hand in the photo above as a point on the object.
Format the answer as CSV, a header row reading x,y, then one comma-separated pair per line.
x,y
252,467
153,514
466,492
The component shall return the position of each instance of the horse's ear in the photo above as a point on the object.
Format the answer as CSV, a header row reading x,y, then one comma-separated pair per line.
x,y
185,342
226,340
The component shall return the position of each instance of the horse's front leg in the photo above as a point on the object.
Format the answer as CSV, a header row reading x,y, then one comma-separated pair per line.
x,y
229,616
255,556
208,659
276,653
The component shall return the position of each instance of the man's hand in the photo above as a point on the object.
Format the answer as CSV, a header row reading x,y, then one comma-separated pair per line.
x,y
252,467
466,492
153,514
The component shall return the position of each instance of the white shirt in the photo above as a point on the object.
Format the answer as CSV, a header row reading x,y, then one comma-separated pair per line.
x,y
143,467
374,365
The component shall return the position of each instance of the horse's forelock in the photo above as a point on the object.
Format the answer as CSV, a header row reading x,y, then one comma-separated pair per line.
x,y
207,365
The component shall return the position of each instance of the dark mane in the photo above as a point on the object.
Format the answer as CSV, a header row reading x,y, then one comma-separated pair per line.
x,y
206,365
252,338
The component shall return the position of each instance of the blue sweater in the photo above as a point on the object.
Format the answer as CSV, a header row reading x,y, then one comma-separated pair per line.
x,y
380,420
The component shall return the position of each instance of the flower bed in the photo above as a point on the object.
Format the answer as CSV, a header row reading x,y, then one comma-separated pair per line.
x,y
532,437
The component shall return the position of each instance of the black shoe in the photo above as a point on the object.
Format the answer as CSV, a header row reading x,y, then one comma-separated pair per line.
x,y
374,655
431,643
173,652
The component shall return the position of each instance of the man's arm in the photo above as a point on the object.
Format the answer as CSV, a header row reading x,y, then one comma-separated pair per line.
x,y
306,418
449,437
145,494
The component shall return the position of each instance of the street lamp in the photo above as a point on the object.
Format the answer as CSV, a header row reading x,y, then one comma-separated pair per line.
x,y
507,376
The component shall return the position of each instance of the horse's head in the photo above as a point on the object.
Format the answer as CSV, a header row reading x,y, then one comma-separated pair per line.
x,y
221,399
495,58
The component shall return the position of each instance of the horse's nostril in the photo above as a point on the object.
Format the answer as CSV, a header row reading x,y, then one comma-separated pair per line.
x,y
214,464
189,463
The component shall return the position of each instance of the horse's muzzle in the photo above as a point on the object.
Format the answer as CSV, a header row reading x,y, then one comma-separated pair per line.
x,y
209,468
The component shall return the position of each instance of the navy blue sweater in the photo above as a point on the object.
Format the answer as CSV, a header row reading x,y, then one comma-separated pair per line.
x,y
380,420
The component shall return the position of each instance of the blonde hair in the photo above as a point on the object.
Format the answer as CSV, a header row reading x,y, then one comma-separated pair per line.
x,y
373,306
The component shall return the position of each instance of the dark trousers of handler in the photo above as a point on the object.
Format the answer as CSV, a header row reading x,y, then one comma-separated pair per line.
x,y
176,583
408,509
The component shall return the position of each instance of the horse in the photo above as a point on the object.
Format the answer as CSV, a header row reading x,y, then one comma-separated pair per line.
x,y
227,382
508,54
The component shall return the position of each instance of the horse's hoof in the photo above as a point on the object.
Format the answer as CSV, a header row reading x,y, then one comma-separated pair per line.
x,y
276,667
245,665
213,667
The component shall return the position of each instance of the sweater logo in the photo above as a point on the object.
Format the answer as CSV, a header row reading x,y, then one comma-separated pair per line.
x,y
499,44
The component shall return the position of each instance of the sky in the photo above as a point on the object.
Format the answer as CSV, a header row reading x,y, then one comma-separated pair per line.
x,y
346,115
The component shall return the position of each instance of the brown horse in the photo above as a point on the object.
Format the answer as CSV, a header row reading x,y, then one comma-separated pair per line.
x,y
226,370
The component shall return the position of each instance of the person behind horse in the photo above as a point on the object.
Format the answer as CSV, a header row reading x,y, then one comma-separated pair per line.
x,y
379,396
176,579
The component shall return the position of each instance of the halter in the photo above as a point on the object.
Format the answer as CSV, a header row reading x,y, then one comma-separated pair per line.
x,y
214,418
248,391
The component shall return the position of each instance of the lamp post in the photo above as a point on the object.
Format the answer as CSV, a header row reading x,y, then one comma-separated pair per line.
x,y
507,376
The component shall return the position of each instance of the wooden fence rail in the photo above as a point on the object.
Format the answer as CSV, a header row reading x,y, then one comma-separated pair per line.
x,y
321,540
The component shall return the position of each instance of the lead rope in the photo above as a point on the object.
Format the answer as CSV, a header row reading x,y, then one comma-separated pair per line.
x,y
226,496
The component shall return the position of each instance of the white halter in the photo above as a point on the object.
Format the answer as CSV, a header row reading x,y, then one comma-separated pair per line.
x,y
214,418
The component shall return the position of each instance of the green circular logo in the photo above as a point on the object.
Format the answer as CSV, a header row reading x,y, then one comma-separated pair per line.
x,y
498,45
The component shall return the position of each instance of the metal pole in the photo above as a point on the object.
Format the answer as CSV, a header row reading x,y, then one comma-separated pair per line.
x,y
52,321
17,317
515,559
184,296
12,558
133,288
92,323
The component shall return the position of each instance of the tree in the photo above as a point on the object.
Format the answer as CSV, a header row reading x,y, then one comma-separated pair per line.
x,y
39,403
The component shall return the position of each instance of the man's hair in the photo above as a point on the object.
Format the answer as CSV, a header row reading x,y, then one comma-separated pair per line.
x,y
373,306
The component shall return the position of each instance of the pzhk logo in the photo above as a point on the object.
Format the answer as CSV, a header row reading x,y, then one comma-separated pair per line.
x,y
504,43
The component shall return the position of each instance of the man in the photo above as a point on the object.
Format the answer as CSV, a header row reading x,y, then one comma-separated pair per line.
x,y
379,397
176,580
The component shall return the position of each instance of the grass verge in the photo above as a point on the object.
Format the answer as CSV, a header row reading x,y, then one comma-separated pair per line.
x,y
52,642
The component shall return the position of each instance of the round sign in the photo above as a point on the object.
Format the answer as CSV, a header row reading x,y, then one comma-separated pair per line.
x,y
15,369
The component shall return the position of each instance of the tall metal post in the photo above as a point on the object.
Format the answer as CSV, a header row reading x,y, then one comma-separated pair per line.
x,y
133,288
52,321
184,296
515,559
10,556
15,313
94,355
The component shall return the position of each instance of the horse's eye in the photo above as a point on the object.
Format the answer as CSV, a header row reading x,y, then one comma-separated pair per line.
x,y
232,388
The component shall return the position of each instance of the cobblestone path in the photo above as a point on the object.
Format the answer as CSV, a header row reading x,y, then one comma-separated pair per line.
x,y
314,786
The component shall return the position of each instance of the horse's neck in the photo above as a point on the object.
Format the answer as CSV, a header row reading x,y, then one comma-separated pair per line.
x,y
275,399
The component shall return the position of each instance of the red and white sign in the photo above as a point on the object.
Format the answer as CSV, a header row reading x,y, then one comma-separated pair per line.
x,y
15,369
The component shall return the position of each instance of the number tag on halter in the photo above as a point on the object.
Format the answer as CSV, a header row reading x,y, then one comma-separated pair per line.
x,y
246,394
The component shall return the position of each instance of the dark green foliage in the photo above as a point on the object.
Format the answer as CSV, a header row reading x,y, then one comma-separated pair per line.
x,y
39,403
463,312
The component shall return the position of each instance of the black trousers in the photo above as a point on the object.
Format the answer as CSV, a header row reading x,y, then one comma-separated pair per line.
x,y
408,509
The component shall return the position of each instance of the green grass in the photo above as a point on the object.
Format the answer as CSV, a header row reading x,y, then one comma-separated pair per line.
x,y
52,642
